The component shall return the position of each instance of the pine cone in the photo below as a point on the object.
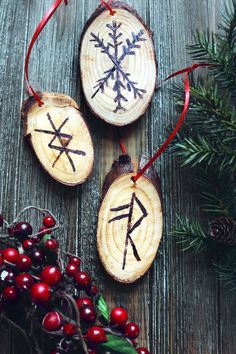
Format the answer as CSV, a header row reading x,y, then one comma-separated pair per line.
x,y
223,230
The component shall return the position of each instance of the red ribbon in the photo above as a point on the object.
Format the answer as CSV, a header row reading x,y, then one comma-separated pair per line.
x,y
122,147
39,29
108,6
181,118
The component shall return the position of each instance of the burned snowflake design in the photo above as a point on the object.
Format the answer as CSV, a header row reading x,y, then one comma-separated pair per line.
x,y
116,51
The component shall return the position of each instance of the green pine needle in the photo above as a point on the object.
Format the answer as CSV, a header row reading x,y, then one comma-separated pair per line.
x,y
226,269
191,236
200,150
218,195
210,110
219,50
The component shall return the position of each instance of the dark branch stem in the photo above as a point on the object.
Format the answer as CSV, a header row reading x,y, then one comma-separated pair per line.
x,y
21,330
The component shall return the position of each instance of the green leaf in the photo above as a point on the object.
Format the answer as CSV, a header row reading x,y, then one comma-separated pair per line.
x,y
103,308
116,345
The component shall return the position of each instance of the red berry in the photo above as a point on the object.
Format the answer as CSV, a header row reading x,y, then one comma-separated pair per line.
x,y
11,255
69,329
87,313
1,261
71,270
52,321
52,245
51,275
132,330
49,221
40,293
85,301
9,294
24,281
96,335
142,351
22,229
10,231
74,260
24,263
37,255
28,245
83,280
8,276
56,351
1,220
91,290
119,316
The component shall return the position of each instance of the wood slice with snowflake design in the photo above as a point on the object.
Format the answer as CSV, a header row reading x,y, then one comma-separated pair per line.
x,y
130,221
59,137
118,64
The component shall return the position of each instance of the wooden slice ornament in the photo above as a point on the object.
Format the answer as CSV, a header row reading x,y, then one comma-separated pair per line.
x,y
118,64
59,137
130,221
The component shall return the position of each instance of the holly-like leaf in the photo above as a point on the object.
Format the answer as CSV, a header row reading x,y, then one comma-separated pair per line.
x,y
103,308
116,345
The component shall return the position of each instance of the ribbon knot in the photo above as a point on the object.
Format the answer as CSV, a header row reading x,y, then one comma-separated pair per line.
x,y
108,6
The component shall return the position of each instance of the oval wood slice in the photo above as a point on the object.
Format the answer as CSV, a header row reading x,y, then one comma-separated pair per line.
x,y
59,136
118,64
129,223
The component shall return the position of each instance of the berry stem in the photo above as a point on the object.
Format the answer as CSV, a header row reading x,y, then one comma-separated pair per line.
x,y
73,304
40,210
65,318
3,237
110,331
32,335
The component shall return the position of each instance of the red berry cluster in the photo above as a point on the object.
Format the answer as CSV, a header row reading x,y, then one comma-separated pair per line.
x,y
63,299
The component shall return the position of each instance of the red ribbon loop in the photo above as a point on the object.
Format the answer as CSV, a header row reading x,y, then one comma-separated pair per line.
x,y
181,118
108,6
39,29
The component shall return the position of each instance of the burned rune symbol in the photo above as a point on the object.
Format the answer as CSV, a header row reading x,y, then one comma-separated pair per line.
x,y
130,227
117,74
64,140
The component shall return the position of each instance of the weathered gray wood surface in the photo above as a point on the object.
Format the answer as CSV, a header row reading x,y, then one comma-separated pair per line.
x,y
180,305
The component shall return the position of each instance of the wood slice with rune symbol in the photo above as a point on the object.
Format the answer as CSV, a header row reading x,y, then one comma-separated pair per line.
x,y
118,64
130,221
59,137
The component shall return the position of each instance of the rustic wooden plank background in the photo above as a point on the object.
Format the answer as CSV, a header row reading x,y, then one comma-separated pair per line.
x,y
180,305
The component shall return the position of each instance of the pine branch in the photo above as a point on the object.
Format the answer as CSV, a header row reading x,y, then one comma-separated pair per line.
x,y
208,142
218,195
200,150
219,50
210,110
191,236
226,269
